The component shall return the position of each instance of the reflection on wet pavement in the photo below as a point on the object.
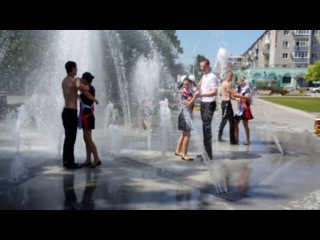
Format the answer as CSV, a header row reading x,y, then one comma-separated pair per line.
x,y
257,176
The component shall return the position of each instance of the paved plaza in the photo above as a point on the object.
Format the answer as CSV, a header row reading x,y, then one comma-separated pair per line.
x,y
278,170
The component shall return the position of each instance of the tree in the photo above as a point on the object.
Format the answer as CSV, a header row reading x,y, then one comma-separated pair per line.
x,y
313,72
24,50
168,45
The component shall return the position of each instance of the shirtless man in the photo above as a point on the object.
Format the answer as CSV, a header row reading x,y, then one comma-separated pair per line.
x,y
69,114
227,111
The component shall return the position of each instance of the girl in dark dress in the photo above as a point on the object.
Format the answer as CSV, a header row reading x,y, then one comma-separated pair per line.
x,y
185,120
87,120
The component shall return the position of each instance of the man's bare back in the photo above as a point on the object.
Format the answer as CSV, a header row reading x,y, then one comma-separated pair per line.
x,y
70,92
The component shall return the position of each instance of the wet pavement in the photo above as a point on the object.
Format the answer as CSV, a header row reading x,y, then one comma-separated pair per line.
x,y
142,176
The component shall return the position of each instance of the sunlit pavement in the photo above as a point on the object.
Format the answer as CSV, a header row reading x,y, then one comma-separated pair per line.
x,y
257,176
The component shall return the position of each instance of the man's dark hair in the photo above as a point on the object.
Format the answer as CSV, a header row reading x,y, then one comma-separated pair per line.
x,y
206,61
69,65
88,76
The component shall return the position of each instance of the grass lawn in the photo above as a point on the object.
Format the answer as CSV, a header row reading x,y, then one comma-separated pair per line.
x,y
305,104
297,94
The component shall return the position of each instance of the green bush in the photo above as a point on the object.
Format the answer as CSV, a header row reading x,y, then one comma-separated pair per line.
x,y
279,91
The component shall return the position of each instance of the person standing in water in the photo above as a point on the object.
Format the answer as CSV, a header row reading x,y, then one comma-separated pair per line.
x,y
185,120
87,119
208,87
227,112
243,113
69,114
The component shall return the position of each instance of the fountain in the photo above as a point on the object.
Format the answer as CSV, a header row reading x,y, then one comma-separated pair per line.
x,y
165,129
275,138
121,79
113,132
125,80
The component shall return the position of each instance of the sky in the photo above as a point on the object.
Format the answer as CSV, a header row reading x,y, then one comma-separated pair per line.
x,y
208,42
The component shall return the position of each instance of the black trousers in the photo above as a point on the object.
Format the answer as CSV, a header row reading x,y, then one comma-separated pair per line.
x,y
207,109
227,115
70,124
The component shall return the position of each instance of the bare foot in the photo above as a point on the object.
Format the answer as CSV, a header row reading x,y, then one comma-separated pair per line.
x,y
247,143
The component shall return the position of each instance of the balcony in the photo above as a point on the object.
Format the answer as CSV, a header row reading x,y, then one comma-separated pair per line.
x,y
300,60
301,32
301,48
300,35
266,51
267,41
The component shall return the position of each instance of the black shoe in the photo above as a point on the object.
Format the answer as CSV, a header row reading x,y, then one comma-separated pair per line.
x,y
234,143
73,166
221,140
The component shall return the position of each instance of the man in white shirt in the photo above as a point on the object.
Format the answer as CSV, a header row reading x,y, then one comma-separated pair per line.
x,y
208,87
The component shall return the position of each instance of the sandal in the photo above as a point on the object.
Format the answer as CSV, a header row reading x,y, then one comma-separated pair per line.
x,y
186,159
247,143
86,164
96,164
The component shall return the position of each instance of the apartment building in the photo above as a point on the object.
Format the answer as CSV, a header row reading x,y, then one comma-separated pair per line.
x,y
283,49
283,56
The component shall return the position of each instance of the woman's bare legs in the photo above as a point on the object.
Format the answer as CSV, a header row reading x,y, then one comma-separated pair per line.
x,y
90,146
246,128
88,160
185,144
179,146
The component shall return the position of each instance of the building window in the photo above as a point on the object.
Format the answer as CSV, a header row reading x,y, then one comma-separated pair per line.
x,y
285,55
302,65
284,65
315,32
314,44
314,55
302,32
301,54
302,43
286,80
286,32
285,44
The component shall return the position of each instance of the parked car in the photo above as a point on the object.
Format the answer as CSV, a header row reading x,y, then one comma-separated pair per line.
x,y
316,89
